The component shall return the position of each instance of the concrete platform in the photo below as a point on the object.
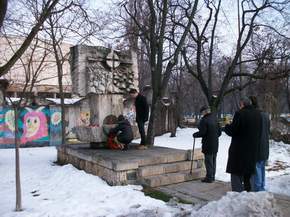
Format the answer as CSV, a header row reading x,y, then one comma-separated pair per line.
x,y
156,166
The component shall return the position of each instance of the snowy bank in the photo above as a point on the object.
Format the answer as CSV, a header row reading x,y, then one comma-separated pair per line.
x,y
240,204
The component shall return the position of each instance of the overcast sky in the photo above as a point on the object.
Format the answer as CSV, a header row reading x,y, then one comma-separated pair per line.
x,y
228,16
99,3
228,21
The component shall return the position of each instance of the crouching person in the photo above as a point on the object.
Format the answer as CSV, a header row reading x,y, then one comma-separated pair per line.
x,y
209,131
120,136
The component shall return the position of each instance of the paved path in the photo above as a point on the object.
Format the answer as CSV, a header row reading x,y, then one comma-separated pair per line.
x,y
202,193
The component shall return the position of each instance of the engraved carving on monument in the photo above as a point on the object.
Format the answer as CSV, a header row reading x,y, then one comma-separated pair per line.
x,y
109,75
99,80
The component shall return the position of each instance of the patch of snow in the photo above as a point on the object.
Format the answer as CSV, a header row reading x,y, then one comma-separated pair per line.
x,y
279,152
12,99
279,184
240,204
67,101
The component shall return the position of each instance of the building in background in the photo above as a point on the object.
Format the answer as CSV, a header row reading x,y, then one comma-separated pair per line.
x,y
36,63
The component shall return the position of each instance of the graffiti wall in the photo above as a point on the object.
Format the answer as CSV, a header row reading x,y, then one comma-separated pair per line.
x,y
37,126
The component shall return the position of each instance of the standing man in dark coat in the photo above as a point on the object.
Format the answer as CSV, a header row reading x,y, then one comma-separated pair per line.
x,y
210,131
245,131
142,113
263,149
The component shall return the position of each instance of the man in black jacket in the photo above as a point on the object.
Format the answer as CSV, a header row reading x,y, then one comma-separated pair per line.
x,y
245,131
142,113
210,131
123,131
263,149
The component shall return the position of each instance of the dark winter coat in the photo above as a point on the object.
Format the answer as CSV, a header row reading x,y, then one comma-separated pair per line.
x,y
142,108
210,131
263,148
245,131
124,132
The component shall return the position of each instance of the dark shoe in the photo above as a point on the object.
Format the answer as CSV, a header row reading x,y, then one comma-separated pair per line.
x,y
207,180
125,147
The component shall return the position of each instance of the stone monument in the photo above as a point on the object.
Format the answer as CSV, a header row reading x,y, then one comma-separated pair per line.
x,y
103,76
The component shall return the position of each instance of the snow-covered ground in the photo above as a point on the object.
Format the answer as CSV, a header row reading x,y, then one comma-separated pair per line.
x,y
63,191
49,190
278,174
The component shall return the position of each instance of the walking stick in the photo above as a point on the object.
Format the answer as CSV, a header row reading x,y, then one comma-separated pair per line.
x,y
192,155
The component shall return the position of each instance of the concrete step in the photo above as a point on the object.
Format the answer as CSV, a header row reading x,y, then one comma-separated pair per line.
x,y
172,178
159,169
156,158
153,156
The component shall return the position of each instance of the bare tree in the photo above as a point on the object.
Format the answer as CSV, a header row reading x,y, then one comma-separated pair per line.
x,y
156,32
31,69
203,40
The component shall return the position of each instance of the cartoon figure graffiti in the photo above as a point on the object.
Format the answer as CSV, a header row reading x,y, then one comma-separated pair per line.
x,y
55,118
9,120
34,125
7,126
84,118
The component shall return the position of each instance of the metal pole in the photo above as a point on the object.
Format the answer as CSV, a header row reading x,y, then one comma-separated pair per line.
x,y
192,155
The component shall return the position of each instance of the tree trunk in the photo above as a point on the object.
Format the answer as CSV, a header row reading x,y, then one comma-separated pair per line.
x,y
3,9
63,133
60,75
152,122
287,93
58,60
17,162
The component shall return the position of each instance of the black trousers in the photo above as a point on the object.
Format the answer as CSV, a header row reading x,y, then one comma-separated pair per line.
x,y
141,131
241,182
210,165
123,140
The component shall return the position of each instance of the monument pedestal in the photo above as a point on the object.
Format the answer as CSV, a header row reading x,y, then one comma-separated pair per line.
x,y
156,166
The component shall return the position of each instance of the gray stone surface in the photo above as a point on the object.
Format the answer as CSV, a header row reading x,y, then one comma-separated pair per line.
x,y
133,158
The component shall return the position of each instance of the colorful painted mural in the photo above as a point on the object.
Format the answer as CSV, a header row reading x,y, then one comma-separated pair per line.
x,y
34,125
37,126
